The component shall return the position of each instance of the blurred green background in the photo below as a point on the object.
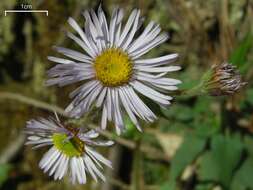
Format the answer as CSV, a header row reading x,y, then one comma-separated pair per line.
x,y
198,143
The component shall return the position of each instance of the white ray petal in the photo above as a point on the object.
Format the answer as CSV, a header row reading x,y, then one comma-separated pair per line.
x,y
92,33
83,170
147,113
42,141
94,169
33,138
75,26
99,157
59,170
83,45
51,162
84,88
128,110
158,40
73,170
59,60
109,104
112,26
90,134
73,54
102,143
130,36
94,159
48,157
150,93
99,29
132,104
88,163
157,61
157,79
104,118
157,69
101,97
127,27
117,112
64,168
56,165
104,25
148,35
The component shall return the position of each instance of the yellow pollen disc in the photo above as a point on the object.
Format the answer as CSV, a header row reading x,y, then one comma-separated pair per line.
x,y
113,67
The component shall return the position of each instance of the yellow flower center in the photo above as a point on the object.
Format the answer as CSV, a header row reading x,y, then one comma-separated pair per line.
x,y
113,67
70,147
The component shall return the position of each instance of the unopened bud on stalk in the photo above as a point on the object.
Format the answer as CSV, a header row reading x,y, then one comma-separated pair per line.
x,y
222,79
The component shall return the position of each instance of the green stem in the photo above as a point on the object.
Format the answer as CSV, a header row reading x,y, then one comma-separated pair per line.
x,y
199,89
31,101
195,91
136,169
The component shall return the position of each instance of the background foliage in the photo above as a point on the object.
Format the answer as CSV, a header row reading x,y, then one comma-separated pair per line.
x,y
199,143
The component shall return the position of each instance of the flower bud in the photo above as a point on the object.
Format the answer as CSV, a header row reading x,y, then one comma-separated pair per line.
x,y
222,79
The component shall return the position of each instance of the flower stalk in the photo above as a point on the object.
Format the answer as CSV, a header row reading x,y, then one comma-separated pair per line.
x,y
220,80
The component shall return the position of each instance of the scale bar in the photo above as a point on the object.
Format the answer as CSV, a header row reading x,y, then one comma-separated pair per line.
x,y
25,11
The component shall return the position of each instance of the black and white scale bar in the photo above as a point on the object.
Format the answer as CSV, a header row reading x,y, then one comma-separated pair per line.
x,y
25,11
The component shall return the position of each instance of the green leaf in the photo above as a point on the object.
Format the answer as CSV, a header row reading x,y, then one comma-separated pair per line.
x,y
164,186
243,177
168,186
248,142
131,132
189,84
185,155
218,164
249,95
239,56
180,112
204,187
130,128
201,105
154,172
4,171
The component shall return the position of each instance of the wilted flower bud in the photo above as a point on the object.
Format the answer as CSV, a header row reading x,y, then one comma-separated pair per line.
x,y
222,79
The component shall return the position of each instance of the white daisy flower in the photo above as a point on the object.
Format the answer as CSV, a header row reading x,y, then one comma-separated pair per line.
x,y
110,67
71,152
